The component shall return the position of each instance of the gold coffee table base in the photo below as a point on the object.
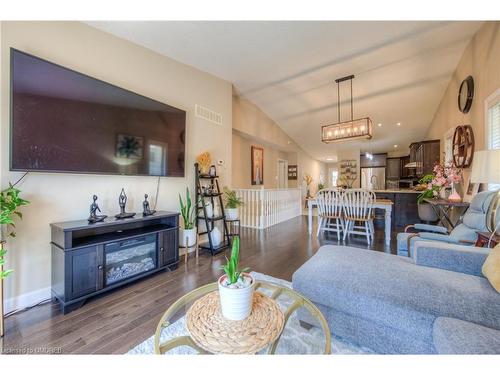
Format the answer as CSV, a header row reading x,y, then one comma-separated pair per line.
x,y
201,335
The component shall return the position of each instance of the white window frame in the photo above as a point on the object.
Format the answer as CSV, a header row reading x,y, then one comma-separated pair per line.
x,y
491,101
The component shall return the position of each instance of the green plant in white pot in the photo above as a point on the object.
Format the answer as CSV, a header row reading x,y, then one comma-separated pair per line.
x,y
232,202
235,287
188,213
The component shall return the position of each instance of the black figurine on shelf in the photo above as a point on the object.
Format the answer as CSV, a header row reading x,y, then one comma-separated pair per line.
x,y
122,201
146,211
94,218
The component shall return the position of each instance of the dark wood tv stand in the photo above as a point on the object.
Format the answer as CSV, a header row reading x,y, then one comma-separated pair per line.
x,y
90,259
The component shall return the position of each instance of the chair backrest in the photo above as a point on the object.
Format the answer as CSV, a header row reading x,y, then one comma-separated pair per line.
x,y
358,203
329,202
475,218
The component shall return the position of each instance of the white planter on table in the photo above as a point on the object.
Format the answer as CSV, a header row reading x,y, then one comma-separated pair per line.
x,y
236,304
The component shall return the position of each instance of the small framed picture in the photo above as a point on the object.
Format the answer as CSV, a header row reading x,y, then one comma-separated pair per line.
x,y
471,190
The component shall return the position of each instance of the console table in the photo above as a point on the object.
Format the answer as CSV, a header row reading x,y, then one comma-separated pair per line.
x,y
89,259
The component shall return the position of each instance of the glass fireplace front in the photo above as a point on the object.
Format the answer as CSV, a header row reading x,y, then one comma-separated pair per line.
x,y
128,258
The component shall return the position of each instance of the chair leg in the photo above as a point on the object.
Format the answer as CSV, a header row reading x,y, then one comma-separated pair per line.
x,y
337,221
372,229
347,226
320,223
367,232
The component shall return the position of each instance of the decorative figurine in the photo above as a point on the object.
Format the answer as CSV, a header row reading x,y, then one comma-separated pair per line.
x,y
212,172
122,201
146,211
94,218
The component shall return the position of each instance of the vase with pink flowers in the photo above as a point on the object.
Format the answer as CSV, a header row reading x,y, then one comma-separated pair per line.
x,y
444,176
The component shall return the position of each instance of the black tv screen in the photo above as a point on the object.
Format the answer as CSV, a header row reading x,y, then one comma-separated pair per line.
x,y
65,121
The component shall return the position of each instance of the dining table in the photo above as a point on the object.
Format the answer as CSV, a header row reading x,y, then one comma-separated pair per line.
x,y
383,204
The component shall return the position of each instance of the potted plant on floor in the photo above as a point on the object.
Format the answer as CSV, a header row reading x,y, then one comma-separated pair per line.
x,y
235,287
188,213
10,201
232,203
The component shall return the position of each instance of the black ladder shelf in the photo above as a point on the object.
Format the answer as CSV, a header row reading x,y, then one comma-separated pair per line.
x,y
201,200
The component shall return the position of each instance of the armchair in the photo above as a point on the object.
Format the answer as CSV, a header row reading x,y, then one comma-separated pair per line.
x,y
465,233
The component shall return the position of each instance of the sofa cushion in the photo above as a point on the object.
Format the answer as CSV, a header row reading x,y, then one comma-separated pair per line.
x,y
381,287
491,268
454,336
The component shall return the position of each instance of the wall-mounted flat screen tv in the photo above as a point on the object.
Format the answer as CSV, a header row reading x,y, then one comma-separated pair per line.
x,y
65,121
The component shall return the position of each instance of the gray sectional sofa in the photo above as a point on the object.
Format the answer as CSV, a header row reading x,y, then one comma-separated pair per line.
x,y
435,302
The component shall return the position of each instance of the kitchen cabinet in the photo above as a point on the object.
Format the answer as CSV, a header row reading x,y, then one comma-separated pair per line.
x,y
405,172
379,160
425,155
393,168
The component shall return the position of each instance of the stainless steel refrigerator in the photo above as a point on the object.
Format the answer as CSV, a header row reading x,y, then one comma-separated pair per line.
x,y
373,178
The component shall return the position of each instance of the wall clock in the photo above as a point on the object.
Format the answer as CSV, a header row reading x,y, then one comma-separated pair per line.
x,y
463,146
465,94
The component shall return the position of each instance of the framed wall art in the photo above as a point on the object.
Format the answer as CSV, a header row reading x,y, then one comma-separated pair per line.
x,y
292,172
257,158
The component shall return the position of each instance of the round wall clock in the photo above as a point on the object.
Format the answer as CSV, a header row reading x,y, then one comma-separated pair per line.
x,y
465,94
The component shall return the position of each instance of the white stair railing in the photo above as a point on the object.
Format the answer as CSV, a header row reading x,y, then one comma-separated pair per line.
x,y
266,207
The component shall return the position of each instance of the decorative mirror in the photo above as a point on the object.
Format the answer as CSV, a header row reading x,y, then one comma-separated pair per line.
x,y
465,94
463,146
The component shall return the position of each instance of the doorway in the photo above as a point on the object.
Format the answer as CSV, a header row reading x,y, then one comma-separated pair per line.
x,y
282,174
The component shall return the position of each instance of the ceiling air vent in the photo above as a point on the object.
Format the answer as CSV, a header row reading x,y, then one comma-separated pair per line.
x,y
208,114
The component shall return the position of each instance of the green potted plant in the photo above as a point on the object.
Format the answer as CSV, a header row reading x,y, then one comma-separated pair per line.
x,y
425,211
188,213
10,201
232,202
235,287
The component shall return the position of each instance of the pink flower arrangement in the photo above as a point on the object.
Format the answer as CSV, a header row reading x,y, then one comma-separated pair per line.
x,y
445,175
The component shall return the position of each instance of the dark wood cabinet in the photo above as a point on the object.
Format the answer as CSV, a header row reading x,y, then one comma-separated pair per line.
x,y
393,169
404,210
169,248
88,259
425,155
85,269
379,160
404,171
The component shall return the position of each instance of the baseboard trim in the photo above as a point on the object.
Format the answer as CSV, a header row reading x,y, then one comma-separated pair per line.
x,y
26,300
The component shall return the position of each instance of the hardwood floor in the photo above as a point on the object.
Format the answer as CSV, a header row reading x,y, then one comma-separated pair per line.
x,y
119,320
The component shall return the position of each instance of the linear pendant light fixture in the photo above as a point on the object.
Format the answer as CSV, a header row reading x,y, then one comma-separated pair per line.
x,y
346,130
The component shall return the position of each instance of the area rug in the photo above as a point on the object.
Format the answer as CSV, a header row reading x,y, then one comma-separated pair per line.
x,y
295,339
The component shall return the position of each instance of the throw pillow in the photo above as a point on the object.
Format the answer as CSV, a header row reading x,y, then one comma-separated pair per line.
x,y
491,268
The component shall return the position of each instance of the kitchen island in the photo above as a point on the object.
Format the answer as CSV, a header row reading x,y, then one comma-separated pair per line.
x,y
405,210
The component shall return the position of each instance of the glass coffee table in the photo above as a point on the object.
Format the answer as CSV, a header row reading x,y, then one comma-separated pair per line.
x,y
282,333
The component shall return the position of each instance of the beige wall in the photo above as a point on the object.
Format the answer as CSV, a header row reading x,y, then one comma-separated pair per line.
x,y
242,161
481,60
60,197
251,126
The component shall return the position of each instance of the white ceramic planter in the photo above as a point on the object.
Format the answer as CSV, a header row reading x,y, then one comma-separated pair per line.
x,y
190,234
231,213
236,304
426,213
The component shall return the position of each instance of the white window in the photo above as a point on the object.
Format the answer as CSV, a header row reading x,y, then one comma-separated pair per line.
x,y
335,176
492,117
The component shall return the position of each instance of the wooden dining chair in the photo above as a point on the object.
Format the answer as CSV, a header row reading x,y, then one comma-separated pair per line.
x,y
358,207
329,203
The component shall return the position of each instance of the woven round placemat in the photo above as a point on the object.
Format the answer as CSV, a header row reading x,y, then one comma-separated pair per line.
x,y
215,334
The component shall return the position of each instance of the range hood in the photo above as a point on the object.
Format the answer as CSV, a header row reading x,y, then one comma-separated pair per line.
x,y
411,165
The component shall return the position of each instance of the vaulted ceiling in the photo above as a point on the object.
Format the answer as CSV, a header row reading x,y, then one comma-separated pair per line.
x,y
288,69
